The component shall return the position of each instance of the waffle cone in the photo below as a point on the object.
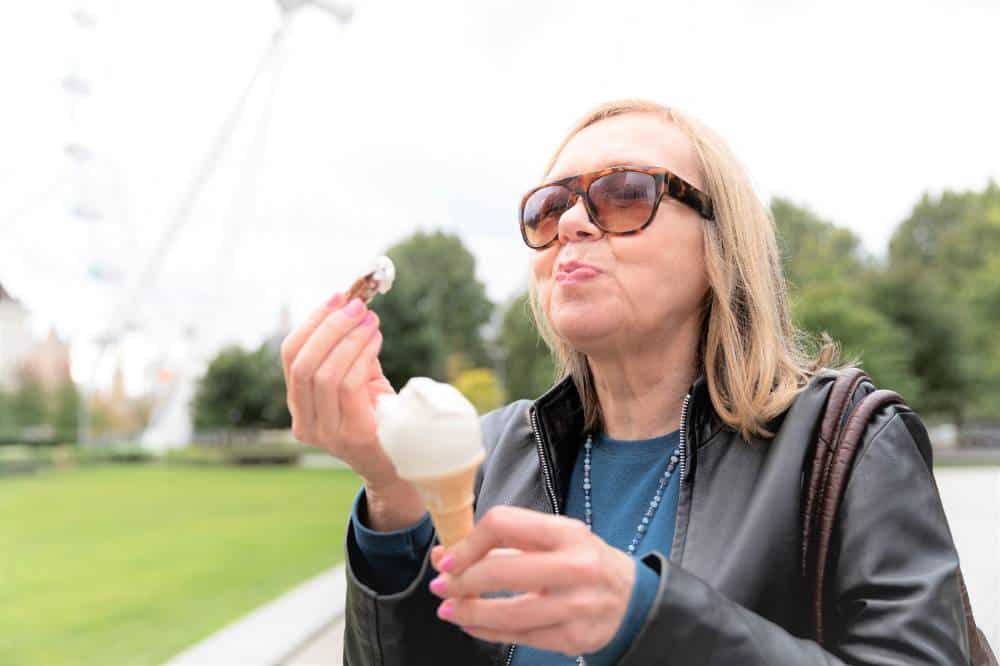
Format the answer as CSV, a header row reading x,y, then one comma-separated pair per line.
x,y
449,499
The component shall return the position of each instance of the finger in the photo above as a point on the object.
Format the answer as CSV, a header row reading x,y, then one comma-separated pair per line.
x,y
355,397
330,388
514,527
556,638
377,370
293,342
524,612
437,552
527,572
299,408
329,332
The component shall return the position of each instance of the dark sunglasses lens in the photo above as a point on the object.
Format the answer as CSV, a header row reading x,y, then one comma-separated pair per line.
x,y
623,201
541,213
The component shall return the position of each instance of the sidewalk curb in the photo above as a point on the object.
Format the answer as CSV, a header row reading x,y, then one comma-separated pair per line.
x,y
270,634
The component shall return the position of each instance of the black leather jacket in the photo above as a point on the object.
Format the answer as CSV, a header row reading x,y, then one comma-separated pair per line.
x,y
731,591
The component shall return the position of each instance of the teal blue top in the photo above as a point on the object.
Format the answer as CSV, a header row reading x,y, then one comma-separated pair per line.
x,y
624,476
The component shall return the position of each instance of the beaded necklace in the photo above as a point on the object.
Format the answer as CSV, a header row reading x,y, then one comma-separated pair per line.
x,y
650,511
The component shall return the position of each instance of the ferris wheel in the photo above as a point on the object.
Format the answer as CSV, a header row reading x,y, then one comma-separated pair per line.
x,y
170,418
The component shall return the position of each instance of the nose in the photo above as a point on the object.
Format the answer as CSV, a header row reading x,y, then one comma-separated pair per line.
x,y
575,224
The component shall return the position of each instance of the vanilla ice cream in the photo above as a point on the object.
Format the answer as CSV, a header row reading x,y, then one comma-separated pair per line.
x,y
429,429
378,280
384,273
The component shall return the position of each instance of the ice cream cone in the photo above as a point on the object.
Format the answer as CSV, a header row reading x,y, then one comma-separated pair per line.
x,y
449,500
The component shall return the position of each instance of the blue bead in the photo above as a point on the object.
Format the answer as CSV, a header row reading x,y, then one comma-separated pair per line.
x,y
642,528
674,459
586,486
645,520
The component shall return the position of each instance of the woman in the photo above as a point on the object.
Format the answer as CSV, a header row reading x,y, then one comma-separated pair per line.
x,y
645,510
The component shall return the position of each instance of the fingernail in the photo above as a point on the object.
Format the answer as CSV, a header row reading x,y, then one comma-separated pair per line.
x,y
369,318
446,611
354,308
447,562
335,300
438,586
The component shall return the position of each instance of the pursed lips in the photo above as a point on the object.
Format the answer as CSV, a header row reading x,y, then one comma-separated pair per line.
x,y
574,271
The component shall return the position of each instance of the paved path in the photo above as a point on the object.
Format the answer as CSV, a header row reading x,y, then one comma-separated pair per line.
x,y
324,650
270,633
971,498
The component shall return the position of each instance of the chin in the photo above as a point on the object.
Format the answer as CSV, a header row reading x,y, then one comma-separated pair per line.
x,y
583,327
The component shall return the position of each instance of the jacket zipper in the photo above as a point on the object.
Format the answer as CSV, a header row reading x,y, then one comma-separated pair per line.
x,y
547,472
683,442
549,489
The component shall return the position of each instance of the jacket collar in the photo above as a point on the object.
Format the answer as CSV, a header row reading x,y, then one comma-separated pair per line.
x,y
559,415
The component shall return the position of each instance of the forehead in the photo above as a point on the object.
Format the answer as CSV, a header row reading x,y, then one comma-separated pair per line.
x,y
640,139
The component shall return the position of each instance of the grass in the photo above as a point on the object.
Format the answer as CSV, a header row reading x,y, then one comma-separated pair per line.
x,y
132,564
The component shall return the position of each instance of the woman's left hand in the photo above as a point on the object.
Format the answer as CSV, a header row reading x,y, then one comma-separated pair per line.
x,y
574,587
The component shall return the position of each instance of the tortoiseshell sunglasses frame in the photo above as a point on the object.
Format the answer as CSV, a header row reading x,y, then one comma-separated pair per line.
x,y
667,183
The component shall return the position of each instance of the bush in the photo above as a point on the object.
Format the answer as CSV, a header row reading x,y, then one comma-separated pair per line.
x,y
236,454
481,387
20,460
67,456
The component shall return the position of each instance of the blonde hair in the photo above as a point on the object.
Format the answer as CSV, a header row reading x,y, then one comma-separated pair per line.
x,y
754,359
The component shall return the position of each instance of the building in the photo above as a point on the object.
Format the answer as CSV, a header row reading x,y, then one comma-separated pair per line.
x,y
48,359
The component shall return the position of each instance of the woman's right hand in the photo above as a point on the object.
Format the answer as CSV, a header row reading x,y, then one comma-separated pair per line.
x,y
333,379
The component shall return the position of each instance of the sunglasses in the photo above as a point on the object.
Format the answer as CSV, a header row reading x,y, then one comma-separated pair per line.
x,y
619,200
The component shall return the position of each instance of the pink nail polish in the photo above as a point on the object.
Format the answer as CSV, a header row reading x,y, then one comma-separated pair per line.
x,y
369,318
438,586
334,300
447,562
446,611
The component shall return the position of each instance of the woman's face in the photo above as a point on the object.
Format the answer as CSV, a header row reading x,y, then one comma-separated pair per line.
x,y
647,284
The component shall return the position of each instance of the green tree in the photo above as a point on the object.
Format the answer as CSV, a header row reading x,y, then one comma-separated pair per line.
x,y
943,262
831,284
436,308
8,423
242,389
814,250
66,410
29,403
528,368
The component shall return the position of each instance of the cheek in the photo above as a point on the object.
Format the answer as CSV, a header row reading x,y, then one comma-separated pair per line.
x,y
664,269
541,268
541,262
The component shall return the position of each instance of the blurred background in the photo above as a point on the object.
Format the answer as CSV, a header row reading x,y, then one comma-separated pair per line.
x,y
182,182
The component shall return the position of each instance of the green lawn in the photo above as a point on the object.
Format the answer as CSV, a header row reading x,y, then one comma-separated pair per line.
x,y
132,564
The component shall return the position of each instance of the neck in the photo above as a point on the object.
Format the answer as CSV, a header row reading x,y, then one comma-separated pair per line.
x,y
642,392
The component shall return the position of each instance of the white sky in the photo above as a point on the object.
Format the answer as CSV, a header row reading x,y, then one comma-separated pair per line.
x,y
440,115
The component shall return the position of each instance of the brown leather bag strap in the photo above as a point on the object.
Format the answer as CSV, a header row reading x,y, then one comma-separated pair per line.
x,y
833,457
838,400
839,469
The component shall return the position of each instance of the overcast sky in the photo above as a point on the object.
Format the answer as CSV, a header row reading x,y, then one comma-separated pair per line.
x,y
437,115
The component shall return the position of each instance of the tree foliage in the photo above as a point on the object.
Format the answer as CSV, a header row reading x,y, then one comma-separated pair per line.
x,y
242,389
527,362
435,309
830,281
